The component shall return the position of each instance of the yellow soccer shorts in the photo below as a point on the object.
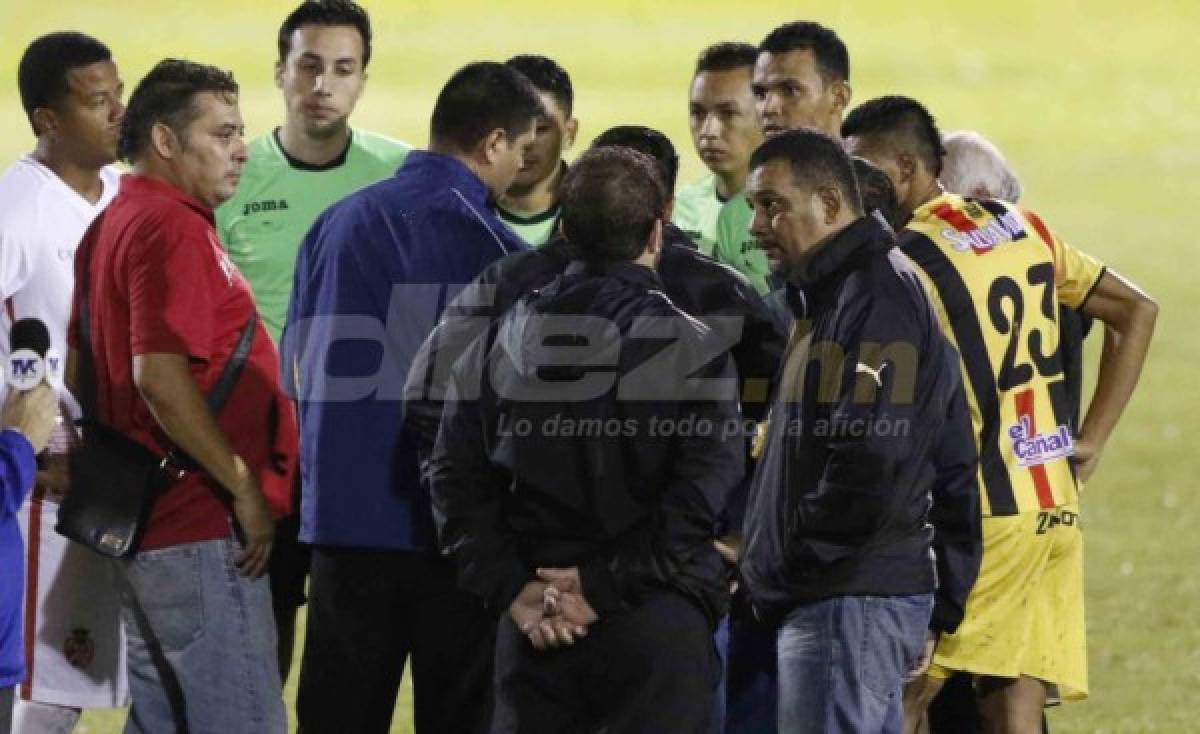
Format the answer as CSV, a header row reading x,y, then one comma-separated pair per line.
x,y
1025,614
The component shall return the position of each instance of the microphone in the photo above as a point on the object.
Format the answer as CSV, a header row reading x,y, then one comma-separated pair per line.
x,y
28,360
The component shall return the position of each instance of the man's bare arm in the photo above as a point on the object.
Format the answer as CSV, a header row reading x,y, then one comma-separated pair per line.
x,y
166,384
1128,315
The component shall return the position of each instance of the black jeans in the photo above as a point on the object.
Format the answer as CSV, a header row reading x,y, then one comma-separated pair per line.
x,y
6,709
368,612
653,669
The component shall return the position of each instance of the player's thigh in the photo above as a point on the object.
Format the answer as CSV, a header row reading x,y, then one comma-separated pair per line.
x,y
1058,638
1012,705
919,693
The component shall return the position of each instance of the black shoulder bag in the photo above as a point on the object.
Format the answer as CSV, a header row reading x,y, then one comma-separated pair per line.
x,y
114,479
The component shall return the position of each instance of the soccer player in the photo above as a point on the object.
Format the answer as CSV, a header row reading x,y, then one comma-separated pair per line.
x,y
996,273
71,90
530,206
801,80
724,131
312,160
975,167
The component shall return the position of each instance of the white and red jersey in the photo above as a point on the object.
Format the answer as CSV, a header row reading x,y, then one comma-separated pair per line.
x,y
74,647
42,221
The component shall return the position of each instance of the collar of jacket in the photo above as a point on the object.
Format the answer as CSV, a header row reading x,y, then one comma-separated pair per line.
x,y
820,275
627,271
441,170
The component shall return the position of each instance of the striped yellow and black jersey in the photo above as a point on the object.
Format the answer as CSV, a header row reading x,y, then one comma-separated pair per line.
x,y
996,275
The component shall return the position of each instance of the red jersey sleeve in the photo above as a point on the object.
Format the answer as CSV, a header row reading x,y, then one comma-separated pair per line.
x,y
170,295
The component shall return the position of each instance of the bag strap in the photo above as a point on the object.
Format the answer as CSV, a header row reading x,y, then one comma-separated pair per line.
x,y
232,372
83,334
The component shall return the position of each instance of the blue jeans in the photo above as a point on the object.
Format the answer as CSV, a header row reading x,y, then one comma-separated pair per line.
x,y
200,643
842,663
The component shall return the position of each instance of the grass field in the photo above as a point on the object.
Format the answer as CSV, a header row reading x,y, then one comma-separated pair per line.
x,y
1094,102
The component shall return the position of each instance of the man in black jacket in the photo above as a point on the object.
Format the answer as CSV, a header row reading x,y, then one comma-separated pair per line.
x,y
579,471
708,290
869,449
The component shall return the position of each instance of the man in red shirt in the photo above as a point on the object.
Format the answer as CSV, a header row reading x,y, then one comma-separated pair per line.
x,y
167,310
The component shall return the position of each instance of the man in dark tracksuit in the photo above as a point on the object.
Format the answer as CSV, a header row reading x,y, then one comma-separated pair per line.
x,y
869,449
579,472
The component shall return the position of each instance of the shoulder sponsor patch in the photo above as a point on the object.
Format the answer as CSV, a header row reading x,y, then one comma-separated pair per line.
x,y
980,239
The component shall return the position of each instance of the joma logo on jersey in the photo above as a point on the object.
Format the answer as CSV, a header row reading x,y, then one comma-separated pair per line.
x,y
269,205
1035,450
1006,228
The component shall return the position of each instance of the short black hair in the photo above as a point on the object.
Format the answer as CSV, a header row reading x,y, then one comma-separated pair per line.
x,y
167,95
42,71
833,60
726,56
547,76
815,159
328,13
481,97
611,198
878,193
903,121
645,140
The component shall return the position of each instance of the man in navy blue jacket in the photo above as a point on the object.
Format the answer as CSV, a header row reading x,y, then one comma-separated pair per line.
x,y
27,422
371,278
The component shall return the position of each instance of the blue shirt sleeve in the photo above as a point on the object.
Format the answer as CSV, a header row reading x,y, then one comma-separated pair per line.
x,y
17,472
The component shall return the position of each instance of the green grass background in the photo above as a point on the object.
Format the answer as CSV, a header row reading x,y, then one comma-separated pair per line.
x,y
1095,103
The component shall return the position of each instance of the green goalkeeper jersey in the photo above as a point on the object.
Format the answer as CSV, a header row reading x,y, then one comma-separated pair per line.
x,y
535,230
737,247
277,201
697,206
